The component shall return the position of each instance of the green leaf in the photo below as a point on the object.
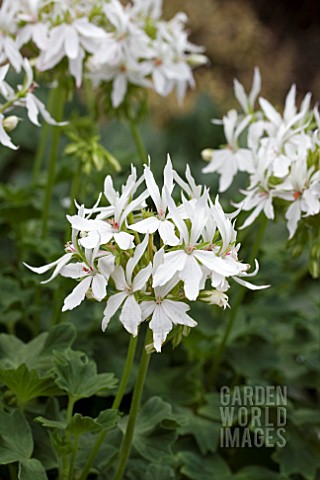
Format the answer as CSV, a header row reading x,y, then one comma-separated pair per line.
x,y
212,408
203,468
31,469
299,455
36,354
55,424
159,472
206,432
155,430
16,443
26,384
78,376
108,418
255,472
79,425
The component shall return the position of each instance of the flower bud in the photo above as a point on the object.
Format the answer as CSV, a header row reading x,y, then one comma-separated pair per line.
x,y
207,154
197,60
214,297
10,123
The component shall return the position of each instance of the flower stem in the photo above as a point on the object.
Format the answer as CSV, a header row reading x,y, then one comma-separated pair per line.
x,y
234,310
74,190
136,135
66,470
59,97
116,403
45,131
135,404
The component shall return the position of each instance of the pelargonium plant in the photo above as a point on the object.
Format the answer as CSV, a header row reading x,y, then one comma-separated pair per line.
x,y
123,43
280,152
149,264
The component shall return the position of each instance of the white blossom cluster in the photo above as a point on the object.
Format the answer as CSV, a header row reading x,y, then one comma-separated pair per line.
x,y
22,97
280,152
148,264
122,44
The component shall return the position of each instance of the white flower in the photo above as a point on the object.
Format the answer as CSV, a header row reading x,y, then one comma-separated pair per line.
x,y
9,48
247,101
302,188
71,40
100,229
92,276
187,261
159,223
127,285
228,161
165,313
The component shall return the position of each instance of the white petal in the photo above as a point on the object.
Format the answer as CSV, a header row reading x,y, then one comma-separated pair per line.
x,y
61,262
133,261
293,215
147,308
141,278
174,262
119,278
113,304
124,240
249,285
215,263
148,225
152,187
99,286
270,111
191,276
4,137
166,232
32,109
131,316
106,265
71,42
77,295
176,311
74,270
161,325
119,89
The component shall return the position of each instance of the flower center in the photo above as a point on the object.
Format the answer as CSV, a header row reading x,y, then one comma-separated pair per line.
x,y
190,249
296,195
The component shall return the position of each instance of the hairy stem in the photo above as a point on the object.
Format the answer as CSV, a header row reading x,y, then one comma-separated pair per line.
x,y
135,405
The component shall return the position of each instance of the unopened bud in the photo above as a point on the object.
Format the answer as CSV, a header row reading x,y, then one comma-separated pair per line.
x,y
207,154
10,123
214,297
197,59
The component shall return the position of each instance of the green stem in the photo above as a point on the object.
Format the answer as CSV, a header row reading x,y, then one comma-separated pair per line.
x,y
73,458
59,97
234,310
45,130
66,465
135,404
136,135
116,403
74,190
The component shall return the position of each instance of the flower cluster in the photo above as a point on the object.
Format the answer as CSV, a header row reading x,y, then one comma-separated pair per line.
x,y
22,97
121,44
280,153
149,263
